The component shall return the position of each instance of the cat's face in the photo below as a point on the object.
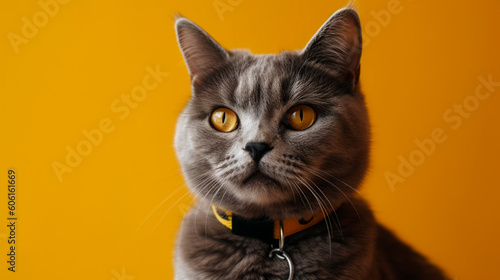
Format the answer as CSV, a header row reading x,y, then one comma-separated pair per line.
x,y
276,135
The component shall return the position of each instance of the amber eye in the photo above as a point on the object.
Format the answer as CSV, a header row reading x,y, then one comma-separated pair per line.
x,y
300,117
224,120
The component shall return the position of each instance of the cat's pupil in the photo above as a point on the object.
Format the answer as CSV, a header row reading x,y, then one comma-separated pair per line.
x,y
223,118
301,115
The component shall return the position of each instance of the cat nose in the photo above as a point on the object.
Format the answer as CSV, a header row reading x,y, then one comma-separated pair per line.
x,y
257,150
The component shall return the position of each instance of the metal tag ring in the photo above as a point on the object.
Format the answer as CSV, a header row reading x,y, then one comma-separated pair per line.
x,y
284,256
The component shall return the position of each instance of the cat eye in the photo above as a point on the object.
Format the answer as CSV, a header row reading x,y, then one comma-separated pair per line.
x,y
300,117
223,119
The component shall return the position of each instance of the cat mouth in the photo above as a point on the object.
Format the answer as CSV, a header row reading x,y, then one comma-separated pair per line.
x,y
258,176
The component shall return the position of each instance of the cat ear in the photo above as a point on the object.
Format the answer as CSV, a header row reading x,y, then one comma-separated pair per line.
x,y
200,51
337,44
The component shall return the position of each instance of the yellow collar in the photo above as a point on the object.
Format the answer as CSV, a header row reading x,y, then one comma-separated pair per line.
x,y
263,228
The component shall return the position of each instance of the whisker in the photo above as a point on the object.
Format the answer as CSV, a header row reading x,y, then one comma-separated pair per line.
x,y
338,224
175,203
211,184
166,213
220,186
322,208
336,178
299,193
336,187
164,201
177,190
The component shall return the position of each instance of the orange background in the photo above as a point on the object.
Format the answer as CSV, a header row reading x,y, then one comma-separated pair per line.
x,y
115,215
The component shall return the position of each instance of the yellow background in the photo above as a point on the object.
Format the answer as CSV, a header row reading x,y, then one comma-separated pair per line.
x,y
115,216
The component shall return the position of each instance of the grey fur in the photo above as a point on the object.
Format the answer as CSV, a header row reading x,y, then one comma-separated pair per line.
x,y
306,171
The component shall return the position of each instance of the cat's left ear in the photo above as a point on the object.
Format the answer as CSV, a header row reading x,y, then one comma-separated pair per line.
x,y
200,51
337,44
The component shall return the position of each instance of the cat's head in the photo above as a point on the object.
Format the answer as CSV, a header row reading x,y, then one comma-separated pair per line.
x,y
276,135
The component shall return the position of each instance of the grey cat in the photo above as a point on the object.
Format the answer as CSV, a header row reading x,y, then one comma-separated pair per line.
x,y
269,141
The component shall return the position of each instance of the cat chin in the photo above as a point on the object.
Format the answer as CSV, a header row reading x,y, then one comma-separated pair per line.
x,y
255,198
260,194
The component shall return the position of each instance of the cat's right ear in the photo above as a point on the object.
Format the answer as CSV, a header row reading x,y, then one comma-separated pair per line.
x,y
200,51
337,44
